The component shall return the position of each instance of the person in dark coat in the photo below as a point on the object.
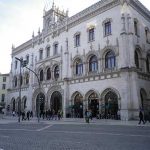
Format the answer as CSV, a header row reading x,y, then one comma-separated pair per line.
x,y
141,116
28,115
23,115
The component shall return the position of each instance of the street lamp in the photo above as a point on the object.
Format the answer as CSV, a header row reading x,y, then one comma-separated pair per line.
x,y
20,60
39,96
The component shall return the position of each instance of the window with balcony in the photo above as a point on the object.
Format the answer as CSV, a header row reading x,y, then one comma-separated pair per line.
x,y
41,75
56,72
48,74
91,36
55,46
4,79
3,98
41,54
77,40
93,64
107,28
3,86
110,60
79,67
48,51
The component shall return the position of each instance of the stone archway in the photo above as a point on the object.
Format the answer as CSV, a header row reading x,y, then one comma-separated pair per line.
x,y
144,102
77,105
13,104
56,101
93,104
110,104
40,103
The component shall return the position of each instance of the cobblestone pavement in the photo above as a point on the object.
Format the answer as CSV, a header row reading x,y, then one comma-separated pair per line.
x,y
34,136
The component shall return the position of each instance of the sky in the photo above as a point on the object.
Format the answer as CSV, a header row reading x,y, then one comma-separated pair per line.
x,y
19,18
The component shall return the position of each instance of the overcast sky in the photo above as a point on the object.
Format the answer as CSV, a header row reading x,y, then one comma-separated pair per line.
x,y
19,18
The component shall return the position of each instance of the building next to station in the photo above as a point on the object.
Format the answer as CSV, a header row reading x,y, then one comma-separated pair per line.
x,y
98,59
4,85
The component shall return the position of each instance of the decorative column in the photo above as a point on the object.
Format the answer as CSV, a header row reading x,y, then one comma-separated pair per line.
x,y
66,79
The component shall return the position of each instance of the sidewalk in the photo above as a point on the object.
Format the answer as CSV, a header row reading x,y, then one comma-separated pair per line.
x,y
77,121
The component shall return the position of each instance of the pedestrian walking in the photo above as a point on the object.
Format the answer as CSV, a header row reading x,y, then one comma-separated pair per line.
x,y
87,116
23,115
141,116
28,115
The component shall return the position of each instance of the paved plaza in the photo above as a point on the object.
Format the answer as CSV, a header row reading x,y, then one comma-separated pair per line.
x,y
73,134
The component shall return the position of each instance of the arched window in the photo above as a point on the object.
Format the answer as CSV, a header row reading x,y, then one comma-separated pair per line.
x,y
93,64
27,78
136,58
79,67
21,80
13,104
15,81
148,64
110,60
48,74
56,72
41,75
24,103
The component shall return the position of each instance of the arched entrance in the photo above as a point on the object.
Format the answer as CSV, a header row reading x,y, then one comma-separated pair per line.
x,y
93,104
110,106
13,102
144,102
56,101
40,100
78,106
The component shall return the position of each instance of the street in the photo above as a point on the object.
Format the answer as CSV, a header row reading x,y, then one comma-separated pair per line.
x,y
24,136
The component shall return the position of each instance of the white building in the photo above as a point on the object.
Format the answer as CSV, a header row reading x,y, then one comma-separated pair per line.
x,y
4,85
98,59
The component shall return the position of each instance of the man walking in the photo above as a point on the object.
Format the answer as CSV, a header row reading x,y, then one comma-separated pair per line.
x,y
141,116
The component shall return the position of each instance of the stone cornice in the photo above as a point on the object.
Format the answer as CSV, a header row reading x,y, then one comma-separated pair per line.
x,y
82,16
139,7
22,47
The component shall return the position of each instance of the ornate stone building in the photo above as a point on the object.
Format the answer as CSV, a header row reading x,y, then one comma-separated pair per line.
x,y
98,59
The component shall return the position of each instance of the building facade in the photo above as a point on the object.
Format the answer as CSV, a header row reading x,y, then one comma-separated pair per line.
x,y
98,59
4,85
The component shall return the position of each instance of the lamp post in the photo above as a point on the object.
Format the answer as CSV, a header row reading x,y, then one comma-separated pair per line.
x,y
19,90
39,96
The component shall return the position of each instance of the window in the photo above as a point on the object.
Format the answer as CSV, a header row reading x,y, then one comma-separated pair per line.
x,y
79,67
21,80
93,64
136,58
110,60
41,54
77,40
147,34
55,48
91,35
4,79
15,81
16,62
48,74
107,28
41,75
56,72
4,86
27,59
3,97
47,51
148,64
135,27
27,78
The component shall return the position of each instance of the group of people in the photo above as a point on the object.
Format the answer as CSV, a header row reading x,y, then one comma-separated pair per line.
x,y
51,114
25,115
